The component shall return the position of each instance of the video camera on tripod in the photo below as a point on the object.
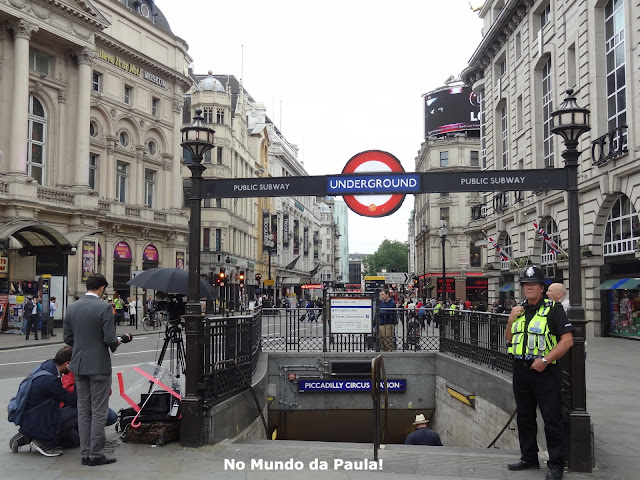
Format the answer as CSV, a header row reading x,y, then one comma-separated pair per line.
x,y
174,305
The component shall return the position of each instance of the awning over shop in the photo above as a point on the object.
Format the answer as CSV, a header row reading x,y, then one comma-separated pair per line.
x,y
39,238
509,287
620,284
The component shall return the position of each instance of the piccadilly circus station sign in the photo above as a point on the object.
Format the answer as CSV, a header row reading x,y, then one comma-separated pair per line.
x,y
374,183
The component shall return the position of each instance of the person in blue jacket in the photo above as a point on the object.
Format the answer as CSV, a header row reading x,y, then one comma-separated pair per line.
x,y
44,425
423,435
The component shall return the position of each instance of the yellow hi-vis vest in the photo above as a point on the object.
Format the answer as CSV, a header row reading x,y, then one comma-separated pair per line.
x,y
452,308
436,309
533,339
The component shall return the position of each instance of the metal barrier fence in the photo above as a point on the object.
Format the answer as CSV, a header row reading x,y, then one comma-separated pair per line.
x,y
477,336
230,351
309,329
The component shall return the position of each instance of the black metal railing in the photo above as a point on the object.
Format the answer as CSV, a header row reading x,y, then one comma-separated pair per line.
x,y
229,345
309,329
477,336
609,146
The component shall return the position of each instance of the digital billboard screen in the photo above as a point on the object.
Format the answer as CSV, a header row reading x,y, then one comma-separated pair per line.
x,y
452,109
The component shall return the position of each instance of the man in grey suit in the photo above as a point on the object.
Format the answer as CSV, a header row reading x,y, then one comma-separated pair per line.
x,y
89,327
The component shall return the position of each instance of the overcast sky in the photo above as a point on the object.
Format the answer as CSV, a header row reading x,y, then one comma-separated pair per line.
x,y
337,77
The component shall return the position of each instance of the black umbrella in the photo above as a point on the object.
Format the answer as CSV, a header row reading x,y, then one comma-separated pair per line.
x,y
169,280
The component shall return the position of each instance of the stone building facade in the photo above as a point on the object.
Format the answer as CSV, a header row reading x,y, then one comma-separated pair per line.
x,y
96,90
531,53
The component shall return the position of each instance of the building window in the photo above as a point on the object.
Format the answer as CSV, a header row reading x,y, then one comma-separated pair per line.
x,y
547,108
444,159
123,138
206,237
544,16
218,239
518,45
519,113
97,82
502,67
616,65
128,92
220,116
149,187
475,256
219,155
39,62
483,130
36,152
152,148
622,232
155,107
444,214
93,129
444,194
474,159
207,113
207,156
93,171
548,256
504,135
121,182
508,249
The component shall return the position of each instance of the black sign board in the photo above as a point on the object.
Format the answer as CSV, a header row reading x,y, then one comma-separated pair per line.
x,y
376,183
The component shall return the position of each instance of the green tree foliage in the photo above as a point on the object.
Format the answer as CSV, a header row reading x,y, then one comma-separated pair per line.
x,y
390,256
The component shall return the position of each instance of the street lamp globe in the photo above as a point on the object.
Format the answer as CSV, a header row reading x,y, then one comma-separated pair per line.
x,y
197,138
570,121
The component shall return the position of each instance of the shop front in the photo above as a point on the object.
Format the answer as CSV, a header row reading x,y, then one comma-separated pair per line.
x,y
122,269
620,297
477,290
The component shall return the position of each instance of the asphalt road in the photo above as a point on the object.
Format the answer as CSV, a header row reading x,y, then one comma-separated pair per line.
x,y
145,347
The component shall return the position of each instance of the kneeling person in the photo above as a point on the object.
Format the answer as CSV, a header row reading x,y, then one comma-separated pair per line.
x,y
44,425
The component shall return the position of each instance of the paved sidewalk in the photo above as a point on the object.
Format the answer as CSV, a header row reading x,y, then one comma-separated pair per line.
x,y
613,392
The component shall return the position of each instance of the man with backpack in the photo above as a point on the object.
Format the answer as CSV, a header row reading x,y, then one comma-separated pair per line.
x,y
36,409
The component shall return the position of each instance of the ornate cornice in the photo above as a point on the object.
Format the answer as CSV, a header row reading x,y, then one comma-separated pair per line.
x,y
85,56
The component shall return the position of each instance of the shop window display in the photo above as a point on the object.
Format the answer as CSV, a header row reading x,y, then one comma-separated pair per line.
x,y
624,312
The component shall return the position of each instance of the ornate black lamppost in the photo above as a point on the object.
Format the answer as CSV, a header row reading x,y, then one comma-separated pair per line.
x,y
198,139
424,229
571,121
443,237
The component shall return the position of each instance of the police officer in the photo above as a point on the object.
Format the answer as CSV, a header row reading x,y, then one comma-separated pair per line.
x,y
538,333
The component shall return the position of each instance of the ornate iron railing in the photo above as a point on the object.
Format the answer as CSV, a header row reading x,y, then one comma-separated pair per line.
x,y
229,345
477,336
609,146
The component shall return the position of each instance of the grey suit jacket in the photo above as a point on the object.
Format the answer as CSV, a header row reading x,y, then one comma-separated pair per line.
x,y
90,328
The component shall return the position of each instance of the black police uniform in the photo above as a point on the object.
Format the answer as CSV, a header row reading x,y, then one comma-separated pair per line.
x,y
544,390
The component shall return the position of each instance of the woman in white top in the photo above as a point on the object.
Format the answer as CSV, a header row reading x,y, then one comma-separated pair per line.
x,y
134,305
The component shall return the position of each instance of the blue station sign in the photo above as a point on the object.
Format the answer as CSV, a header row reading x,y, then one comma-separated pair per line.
x,y
370,184
346,385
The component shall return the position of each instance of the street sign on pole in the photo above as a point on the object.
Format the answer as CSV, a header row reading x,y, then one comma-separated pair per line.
x,y
396,277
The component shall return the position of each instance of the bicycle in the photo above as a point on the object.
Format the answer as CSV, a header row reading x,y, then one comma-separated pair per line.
x,y
150,322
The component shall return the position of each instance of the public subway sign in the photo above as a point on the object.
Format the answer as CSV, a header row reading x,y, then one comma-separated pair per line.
x,y
374,184
354,385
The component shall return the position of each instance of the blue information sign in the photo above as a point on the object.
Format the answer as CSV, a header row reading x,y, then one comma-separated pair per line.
x,y
347,385
369,184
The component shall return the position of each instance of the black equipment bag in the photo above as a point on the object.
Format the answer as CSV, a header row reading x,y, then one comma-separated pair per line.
x,y
160,407
153,433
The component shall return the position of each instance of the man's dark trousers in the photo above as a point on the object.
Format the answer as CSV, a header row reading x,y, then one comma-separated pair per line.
x,y
32,326
543,390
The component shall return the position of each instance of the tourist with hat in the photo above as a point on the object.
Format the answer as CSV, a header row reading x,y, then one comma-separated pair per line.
x,y
539,333
423,435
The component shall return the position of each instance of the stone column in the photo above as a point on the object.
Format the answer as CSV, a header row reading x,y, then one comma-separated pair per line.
x,y
174,194
59,177
22,30
138,181
83,117
108,169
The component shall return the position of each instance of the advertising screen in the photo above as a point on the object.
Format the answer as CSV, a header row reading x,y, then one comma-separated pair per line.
x,y
451,109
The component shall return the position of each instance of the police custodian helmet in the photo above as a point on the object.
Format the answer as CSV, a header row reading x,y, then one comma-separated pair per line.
x,y
532,275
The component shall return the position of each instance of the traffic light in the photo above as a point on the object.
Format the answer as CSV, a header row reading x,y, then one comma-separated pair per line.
x,y
415,281
221,277
222,274
241,279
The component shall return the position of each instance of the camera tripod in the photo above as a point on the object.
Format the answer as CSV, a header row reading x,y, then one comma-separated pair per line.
x,y
174,343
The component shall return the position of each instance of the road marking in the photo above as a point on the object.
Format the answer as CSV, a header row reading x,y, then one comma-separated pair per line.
x,y
40,361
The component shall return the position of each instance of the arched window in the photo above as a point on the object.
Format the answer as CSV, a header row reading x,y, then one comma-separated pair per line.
x,y
550,228
623,228
36,151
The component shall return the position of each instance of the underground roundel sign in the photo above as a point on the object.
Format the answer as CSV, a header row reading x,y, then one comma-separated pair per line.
x,y
373,161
